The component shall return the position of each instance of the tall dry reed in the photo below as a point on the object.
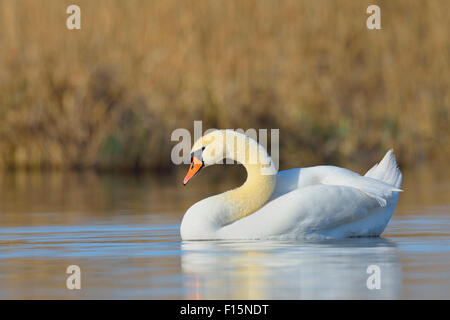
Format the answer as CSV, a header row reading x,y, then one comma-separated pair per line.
x,y
109,95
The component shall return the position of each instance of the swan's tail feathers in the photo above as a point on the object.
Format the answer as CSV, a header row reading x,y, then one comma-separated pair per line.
x,y
387,170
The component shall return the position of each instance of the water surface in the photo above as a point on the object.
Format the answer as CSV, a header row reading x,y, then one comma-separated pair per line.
x,y
123,232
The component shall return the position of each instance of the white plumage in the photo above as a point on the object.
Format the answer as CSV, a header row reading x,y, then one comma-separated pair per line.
x,y
314,202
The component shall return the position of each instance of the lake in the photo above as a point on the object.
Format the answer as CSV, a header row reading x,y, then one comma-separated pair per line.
x,y
123,232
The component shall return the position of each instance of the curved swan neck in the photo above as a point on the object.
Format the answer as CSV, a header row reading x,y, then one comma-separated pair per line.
x,y
260,182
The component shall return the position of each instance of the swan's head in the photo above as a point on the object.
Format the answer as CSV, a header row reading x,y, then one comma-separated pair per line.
x,y
206,151
217,145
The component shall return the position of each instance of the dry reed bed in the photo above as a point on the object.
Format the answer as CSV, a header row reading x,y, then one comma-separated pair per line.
x,y
109,96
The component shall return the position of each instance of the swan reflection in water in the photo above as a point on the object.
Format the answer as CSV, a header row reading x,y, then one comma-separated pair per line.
x,y
334,269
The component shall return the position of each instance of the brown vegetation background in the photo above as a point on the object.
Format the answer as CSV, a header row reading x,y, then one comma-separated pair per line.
x,y
109,95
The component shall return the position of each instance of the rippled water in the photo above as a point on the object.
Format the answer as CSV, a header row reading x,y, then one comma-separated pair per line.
x,y
123,232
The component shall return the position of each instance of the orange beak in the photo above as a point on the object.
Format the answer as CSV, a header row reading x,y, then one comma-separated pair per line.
x,y
195,167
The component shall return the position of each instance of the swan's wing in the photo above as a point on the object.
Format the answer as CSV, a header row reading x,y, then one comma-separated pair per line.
x,y
290,180
374,188
302,211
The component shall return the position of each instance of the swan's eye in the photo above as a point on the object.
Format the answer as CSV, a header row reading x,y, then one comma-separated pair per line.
x,y
198,154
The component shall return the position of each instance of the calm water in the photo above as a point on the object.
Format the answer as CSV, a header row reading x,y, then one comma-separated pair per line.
x,y
123,232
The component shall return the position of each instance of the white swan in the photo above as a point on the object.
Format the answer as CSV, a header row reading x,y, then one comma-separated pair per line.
x,y
314,202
